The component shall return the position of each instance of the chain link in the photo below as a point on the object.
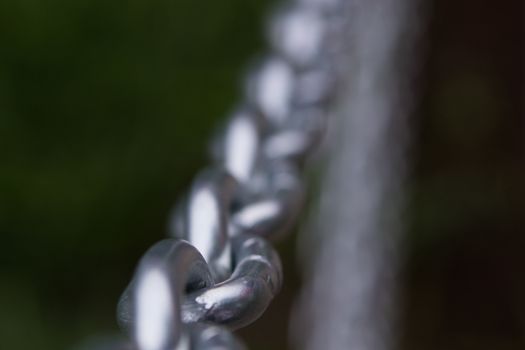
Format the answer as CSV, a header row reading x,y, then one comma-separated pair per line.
x,y
217,272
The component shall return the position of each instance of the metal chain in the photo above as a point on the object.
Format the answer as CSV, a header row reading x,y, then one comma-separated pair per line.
x,y
218,272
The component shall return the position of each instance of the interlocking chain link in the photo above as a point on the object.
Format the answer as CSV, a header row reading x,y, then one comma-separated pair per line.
x,y
217,272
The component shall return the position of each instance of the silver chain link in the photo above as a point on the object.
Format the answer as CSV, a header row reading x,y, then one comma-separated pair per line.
x,y
217,272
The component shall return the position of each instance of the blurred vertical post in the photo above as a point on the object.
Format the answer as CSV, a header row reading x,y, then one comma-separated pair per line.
x,y
351,251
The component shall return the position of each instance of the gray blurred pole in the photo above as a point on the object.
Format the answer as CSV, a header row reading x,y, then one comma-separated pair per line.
x,y
351,252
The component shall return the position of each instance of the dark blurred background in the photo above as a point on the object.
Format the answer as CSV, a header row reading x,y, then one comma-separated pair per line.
x,y
106,109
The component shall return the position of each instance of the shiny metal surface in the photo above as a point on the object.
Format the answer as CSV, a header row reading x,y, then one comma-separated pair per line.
x,y
271,88
213,338
205,216
315,87
220,269
297,33
237,146
171,266
149,308
272,203
241,299
299,137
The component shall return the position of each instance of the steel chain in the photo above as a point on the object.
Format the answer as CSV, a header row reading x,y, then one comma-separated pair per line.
x,y
218,272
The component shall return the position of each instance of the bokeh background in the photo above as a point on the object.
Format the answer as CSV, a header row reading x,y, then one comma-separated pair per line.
x,y
106,109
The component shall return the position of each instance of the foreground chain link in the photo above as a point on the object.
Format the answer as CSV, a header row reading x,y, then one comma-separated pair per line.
x,y
217,272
